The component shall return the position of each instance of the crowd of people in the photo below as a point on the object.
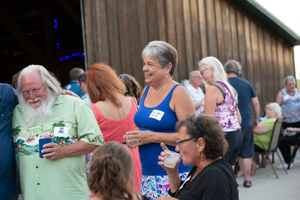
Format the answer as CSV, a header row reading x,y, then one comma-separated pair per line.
x,y
105,124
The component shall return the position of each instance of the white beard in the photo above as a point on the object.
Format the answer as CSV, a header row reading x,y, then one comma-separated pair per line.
x,y
40,114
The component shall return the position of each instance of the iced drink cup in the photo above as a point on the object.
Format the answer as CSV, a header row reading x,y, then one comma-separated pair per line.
x,y
171,158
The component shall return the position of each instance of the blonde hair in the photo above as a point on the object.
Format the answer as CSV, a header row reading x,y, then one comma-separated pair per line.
x,y
219,73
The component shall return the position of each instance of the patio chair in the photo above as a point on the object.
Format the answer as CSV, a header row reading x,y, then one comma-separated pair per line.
x,y
273,143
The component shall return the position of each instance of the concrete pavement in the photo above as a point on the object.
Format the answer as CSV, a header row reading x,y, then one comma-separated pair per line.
x,y
265,185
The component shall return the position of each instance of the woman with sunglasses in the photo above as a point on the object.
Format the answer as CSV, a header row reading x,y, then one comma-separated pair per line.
x,y
113,110
221,101
132,86
163,103
201,144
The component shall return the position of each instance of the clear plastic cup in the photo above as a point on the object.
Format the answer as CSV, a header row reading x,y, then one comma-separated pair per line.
x,y
171,158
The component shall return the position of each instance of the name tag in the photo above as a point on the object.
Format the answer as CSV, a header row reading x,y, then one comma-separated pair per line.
x,y
61,131
157,114
285,97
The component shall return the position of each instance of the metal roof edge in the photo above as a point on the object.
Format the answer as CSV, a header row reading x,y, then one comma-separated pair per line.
x,y
266,18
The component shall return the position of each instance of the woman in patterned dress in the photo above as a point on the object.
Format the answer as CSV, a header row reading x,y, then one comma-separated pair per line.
x,y
221,101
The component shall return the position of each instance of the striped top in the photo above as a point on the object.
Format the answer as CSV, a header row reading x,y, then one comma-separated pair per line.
x,y
290,106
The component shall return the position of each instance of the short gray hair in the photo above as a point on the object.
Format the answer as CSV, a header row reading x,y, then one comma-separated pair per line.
x,y
233,66
75,73
276,108
48,79
289,78
163,52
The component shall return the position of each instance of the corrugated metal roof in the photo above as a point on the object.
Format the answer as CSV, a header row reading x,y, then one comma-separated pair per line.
x,y
271,22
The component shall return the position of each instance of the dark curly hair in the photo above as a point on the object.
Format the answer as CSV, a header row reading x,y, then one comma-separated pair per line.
x,y
212,133
110,172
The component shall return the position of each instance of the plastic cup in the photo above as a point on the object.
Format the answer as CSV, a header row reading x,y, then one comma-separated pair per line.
x,y
171,158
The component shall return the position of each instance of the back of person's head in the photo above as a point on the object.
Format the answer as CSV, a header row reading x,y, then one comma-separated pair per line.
x,y
82,77
132,86
75,73
276,108
209,128
110,172
219,72
289,78
103,83
163,52
14,80
48,79
233,66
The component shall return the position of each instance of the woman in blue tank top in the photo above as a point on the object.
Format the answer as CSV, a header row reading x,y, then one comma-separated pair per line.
x,y
163,103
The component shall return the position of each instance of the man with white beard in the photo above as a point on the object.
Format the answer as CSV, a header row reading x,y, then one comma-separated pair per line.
x,y
70,123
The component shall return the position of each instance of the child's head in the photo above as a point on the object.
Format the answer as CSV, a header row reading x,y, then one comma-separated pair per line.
x,y
111,171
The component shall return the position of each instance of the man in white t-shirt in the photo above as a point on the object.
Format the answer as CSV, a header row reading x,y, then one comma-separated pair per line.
x,y
194,89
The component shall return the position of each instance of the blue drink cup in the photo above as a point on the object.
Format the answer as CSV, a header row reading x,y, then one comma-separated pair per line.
x,y
44,140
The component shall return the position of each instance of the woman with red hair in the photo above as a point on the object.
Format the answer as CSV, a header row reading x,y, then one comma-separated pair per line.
x,y
113,110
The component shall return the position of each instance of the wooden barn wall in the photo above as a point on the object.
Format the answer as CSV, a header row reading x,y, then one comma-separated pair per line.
x,y
118,30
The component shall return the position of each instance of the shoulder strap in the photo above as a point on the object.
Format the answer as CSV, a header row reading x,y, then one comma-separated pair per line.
x,y
223,93
137,196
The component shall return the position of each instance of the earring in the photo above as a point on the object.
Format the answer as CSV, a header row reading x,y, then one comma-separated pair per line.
x,y
199,154
167,76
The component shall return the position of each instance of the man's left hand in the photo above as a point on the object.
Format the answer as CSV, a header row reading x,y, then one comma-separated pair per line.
x,y
55,151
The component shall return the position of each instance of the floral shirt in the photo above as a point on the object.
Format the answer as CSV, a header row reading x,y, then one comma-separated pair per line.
x,y
65,178
226,111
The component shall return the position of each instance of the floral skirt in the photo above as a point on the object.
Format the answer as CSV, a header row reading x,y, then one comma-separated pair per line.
x,y
156,186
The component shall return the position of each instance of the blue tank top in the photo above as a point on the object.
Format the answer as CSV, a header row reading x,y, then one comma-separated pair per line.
x,y
157,119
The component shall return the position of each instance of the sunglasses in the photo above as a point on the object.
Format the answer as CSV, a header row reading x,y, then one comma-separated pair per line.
x,y
124,77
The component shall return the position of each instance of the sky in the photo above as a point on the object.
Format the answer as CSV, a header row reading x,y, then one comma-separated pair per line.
x,y
288,12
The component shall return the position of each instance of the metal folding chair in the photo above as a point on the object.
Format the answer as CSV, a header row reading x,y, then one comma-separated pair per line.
x,y
273,143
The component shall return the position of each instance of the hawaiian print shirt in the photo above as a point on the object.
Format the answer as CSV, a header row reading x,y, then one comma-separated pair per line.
x,y
72,120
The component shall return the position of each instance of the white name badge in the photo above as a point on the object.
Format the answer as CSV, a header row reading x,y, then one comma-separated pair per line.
x,y
157,114
285,97
61,131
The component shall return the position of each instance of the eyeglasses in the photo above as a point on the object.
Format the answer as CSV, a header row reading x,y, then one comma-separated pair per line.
x,y
178,142
201,72
124,77
33,92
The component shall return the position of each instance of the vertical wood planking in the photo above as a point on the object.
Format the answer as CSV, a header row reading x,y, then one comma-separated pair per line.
x,y
203,28
152,20
241,44
226,31
211,29
89,14
269,71
249,74
182,64
219,30
171,30
195,34
162,33
124,35
113,36
232,14
275,65
281,70
187,36
262,67
255,59
102,31
135,49
288,66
